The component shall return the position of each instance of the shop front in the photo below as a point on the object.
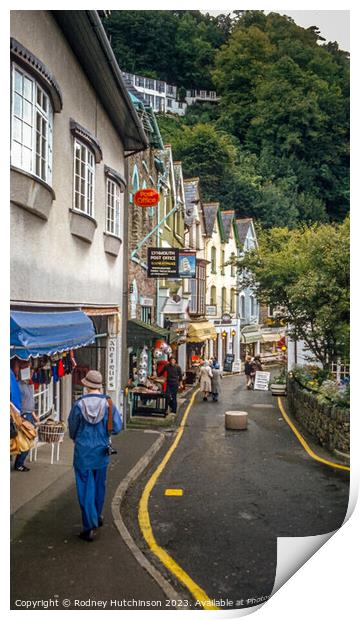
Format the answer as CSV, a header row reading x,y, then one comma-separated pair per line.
x,y
251,337
199,336
50,342
149,350
269,350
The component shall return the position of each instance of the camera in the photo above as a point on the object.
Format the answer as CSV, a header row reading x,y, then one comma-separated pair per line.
x,y
110,450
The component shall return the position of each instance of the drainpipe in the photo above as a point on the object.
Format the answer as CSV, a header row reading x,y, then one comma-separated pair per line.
x,y
124,358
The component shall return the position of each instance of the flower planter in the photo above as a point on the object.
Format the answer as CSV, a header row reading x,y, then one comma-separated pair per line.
x,y
278,389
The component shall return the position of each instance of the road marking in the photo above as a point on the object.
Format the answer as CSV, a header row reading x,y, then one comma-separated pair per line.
x,y
305,445
145,523
174,492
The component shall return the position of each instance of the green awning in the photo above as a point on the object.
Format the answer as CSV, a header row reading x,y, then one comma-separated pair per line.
x,y
140,333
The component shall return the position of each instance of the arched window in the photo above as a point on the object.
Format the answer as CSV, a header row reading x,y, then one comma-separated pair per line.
x,y
213,296
232,301
213,260
242,306
252,305
223,300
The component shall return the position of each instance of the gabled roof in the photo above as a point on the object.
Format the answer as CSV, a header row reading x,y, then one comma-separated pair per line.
x,y
227,220
192,197
210,210
243,225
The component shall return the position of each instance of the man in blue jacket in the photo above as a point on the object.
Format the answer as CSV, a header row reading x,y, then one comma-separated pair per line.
x,y
89,422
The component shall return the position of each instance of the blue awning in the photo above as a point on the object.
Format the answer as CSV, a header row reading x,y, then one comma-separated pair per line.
x,y
45,333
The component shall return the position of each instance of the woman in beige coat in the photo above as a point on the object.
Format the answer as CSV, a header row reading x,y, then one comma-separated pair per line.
x,y
205,376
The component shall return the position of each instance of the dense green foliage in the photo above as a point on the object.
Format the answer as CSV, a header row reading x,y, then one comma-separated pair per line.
x,y
305,274
276,146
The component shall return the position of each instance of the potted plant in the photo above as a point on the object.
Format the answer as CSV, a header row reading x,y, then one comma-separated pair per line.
x,y
278,384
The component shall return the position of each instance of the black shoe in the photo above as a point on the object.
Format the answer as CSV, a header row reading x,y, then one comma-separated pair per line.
x,y
87,535
21,468
205,398
101,521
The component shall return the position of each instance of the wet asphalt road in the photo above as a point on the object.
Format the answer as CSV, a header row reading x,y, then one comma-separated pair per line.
x,y
241,491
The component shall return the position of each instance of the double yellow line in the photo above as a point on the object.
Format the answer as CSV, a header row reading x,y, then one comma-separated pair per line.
x,y
146,529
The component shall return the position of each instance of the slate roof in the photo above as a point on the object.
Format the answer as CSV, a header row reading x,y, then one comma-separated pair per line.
x,y
243,227
227,220
191,188
210,210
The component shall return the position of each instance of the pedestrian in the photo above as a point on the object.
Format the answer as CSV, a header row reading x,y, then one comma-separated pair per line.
x,y
92,421
216,382
174,378
205,376
27,409
257,363
249,372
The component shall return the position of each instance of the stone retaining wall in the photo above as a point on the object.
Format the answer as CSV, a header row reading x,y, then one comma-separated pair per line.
x,y
330,425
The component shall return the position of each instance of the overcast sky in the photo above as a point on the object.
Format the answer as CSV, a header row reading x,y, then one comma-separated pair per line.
x,y
334,25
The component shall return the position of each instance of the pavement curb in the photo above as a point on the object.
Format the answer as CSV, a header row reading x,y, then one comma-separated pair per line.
x,y
132,475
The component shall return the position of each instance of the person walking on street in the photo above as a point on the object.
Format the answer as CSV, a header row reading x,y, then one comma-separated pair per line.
x,y
205,376
257,363
173,382
216,382
249,372
92,421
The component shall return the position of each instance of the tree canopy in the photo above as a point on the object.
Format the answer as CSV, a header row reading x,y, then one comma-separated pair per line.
x,y
276,147
305,274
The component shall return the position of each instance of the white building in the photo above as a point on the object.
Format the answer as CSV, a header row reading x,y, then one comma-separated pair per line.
x,y
72,123
162,97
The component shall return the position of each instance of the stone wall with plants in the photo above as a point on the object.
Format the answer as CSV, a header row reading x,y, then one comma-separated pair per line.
x,y
328,423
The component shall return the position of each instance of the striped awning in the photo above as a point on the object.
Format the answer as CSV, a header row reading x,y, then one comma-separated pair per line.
x,y
270,337
201,331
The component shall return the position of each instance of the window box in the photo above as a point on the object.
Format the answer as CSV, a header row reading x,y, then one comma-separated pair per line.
x,y
82,225
112,244
31,193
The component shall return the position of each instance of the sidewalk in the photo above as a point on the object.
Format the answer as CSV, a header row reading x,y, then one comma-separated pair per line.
x,y
45,524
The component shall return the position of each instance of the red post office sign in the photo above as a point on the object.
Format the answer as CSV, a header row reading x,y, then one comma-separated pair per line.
x,y
146,198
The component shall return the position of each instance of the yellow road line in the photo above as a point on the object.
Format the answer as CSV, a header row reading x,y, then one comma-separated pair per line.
x,y
173,492
305,445
145,523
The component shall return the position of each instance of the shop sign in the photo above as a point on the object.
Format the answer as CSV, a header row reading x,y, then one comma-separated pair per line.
x,y
211,310
187,264
163,262
111,364
146,198
146,301
226,318
261,380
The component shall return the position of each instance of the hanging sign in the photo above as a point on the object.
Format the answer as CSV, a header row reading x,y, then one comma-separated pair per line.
x,y
146,198
163,262
261,380
187,264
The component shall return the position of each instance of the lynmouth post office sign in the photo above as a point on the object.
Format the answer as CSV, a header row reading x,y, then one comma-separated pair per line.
x,y
163,262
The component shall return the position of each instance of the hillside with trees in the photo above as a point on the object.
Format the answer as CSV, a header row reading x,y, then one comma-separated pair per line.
x,y
276,146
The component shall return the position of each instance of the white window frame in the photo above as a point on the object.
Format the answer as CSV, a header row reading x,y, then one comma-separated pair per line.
x,y
89,189
39,162
46,398
113,207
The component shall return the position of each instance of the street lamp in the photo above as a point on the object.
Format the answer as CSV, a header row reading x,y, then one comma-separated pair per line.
x,y
224,334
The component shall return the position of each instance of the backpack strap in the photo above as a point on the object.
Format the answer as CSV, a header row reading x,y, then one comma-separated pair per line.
x,y
110,416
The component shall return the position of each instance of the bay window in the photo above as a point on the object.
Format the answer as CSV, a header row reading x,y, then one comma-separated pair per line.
x,y
31,127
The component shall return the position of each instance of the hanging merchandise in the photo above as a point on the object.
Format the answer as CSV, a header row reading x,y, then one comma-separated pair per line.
x,y
60,369
54,372
143,366
72,360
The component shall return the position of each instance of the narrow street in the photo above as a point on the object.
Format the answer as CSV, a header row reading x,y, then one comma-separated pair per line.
x,y
241,490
